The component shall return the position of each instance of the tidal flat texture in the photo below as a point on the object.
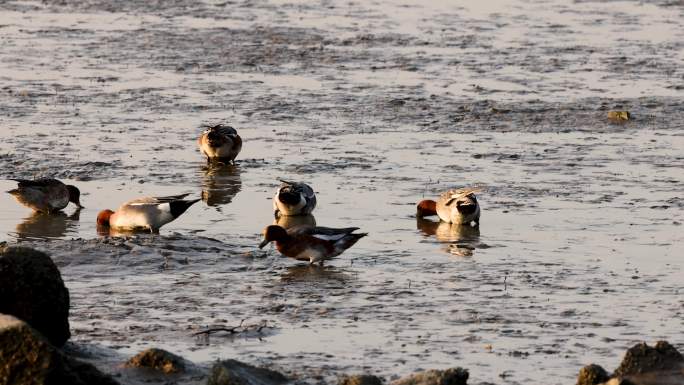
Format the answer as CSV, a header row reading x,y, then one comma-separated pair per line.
x,y
377,105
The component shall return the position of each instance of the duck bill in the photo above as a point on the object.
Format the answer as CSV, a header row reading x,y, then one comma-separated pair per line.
x,y
263,243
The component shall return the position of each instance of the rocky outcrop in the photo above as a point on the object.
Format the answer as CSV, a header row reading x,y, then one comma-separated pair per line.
x,y
157,359
31,289
451,376
232,372
661,364
360,379
642,358
27,357
592,375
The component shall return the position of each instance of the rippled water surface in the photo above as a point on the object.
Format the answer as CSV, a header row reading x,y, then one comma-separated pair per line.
x,y
377,105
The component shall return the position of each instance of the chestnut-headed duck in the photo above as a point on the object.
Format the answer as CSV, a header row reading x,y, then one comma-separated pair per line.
x,y
220,143
293,198
147,214
45,195
454,206
313,244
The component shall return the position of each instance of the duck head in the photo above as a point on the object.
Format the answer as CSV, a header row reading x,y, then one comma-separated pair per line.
x,y
426,208
287,195
74,195
103,217
215,137
467,205
273,233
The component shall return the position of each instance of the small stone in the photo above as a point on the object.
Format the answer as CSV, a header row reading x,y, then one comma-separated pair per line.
x,y
619,116
360,379
592,375
157,359
232,372
451,376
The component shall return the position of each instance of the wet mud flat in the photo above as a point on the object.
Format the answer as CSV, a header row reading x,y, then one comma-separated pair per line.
x,y
377,106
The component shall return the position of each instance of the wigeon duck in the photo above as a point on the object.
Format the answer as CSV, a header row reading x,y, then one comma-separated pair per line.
x,y
220,143
294,198
45,195
313,244
148,214
454,206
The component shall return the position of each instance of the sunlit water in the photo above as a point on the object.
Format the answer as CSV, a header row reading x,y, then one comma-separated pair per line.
x,y
578,254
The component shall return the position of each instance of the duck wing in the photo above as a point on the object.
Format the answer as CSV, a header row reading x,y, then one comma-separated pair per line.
x,y
325,233
456,194
155,200
41,184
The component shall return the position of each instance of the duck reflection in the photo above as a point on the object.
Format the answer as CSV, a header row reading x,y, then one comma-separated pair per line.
x,y
313,273
106,231
461,239
220,184
44,225
287,222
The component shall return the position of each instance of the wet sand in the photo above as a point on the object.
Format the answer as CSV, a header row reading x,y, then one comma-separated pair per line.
x,y
377,106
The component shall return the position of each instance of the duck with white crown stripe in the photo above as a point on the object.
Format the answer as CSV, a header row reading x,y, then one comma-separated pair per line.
x,y
146,214
293,198
220,143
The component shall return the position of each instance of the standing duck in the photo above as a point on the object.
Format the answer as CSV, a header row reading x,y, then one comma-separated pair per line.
x,y
313,244
454,206
220,143
147,214
294,198
45,195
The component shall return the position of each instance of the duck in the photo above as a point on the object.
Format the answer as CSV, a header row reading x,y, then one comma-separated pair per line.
x,y
145,214
45,195
313,244
457,206
293,198
220,143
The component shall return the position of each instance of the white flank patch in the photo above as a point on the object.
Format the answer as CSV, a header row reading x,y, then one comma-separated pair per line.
x,y
329,237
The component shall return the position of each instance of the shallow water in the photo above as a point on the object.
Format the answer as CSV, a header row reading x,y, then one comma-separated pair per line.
x,y
377,106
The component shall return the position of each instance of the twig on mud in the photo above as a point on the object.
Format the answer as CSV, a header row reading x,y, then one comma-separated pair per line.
x,y
232,330
241,328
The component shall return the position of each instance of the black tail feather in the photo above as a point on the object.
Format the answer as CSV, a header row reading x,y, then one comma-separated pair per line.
x,y
180,206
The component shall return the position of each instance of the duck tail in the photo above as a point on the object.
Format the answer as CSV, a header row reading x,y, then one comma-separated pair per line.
x,y
178,207
348,241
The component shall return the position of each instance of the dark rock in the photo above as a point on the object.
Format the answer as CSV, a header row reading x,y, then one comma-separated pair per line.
x,y
451,376
642,358
157,359
232,372
592,375
31,288
27,357
360,379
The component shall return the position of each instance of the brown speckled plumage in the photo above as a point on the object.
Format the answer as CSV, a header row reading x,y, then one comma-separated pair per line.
x,y
45,195
220,143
